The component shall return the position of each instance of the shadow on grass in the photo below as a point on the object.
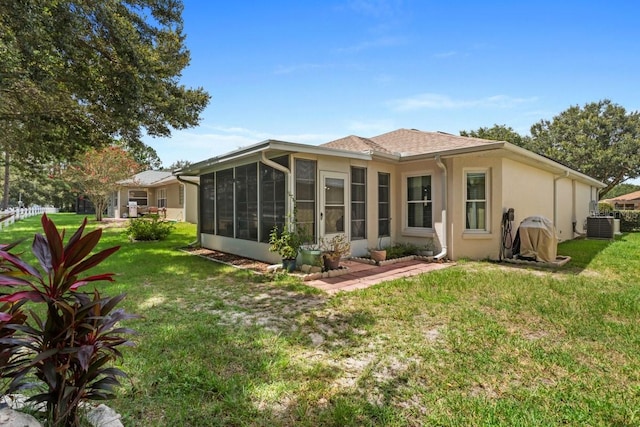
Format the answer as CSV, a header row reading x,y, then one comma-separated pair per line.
x,y
582,251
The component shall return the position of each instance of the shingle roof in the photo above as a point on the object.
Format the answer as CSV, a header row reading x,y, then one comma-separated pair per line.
x,y
627,197
357,144
407,142
146,178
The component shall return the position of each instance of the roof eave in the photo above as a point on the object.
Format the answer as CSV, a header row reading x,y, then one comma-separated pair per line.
x,y
545,160
453,152
292,147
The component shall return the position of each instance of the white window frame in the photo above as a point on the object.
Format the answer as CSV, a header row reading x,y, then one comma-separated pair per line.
x,y
487,200
161,194
416,231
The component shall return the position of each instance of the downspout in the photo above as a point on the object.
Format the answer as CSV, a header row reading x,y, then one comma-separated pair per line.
x,y
443,252
555,196
283,169
198,241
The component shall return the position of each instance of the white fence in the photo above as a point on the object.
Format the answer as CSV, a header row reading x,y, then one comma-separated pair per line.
x,y
21,213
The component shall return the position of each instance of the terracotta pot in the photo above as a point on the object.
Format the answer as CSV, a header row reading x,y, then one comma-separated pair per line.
x,y
331,263
379,255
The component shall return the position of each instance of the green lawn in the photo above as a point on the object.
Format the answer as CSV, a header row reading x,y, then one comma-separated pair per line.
x,y
475,344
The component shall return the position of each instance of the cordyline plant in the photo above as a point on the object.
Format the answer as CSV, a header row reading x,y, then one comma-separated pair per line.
x,y
70,349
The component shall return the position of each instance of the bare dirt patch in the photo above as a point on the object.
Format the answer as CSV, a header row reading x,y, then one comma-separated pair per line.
x,y
231,259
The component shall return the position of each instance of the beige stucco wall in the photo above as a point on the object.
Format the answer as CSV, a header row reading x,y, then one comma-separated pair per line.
x,y
474,244
175,211
528,189
564,209
191,203
583,195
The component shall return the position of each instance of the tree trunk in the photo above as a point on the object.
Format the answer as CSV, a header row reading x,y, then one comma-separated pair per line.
x,y
5,188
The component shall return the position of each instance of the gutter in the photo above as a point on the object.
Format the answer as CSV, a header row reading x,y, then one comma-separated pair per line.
x,y
198,241
443,252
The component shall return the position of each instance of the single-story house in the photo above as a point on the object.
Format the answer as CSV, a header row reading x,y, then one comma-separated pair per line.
x,y
630,201
403,186
156,192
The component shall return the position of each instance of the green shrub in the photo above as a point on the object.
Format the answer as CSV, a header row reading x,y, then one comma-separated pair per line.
x,y
149,228
400,250
629,221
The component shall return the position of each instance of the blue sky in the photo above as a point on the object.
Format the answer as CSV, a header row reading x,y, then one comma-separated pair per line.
x,y
314,71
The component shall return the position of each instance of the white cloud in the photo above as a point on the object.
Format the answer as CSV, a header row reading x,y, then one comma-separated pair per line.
x,y
443,102
373,44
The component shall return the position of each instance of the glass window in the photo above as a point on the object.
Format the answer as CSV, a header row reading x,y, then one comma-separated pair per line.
x,y
334,207
358,203
207,203
181,195
273,200
419,205
224,203
384,211
476,201
306,196
161,198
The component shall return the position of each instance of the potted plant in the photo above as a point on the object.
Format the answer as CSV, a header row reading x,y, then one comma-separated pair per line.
x,y
310,254
378,254
333,250
427,249
287,243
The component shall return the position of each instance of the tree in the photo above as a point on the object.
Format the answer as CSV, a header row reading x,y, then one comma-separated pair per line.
x,y
76,74
178,164
498,133
97,172
621,189
600,139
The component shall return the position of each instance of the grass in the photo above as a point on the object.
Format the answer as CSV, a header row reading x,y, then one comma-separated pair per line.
x,y
474,344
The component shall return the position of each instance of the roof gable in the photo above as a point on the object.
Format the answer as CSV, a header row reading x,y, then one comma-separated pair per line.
x,y
408,142
629,197
146,178
357,144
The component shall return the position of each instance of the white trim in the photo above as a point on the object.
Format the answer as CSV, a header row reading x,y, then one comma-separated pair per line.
x,y
487,201
346,203
416,231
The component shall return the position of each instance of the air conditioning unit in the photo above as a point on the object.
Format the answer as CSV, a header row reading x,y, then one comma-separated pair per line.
x,y
600,227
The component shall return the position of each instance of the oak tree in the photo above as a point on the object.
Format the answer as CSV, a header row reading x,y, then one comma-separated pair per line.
x,y
76,74
97,172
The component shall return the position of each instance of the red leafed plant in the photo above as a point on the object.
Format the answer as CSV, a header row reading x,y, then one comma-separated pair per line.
x,y
69,350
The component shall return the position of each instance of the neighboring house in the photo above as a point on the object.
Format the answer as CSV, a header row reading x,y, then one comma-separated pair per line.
x,y
629,201
156,191
403,186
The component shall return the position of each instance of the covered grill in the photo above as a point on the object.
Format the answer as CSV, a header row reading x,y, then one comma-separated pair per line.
x,y
536,240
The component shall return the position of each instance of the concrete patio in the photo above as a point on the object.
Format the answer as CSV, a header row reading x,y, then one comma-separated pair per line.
x,y
362,275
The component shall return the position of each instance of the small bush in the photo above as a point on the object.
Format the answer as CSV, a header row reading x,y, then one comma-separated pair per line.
x,y
149,228
629,221
400,250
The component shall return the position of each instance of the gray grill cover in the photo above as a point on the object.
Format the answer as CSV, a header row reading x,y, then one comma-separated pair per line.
x,y
538,239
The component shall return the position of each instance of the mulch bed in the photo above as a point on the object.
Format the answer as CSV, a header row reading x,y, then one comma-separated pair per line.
x,y
227,258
